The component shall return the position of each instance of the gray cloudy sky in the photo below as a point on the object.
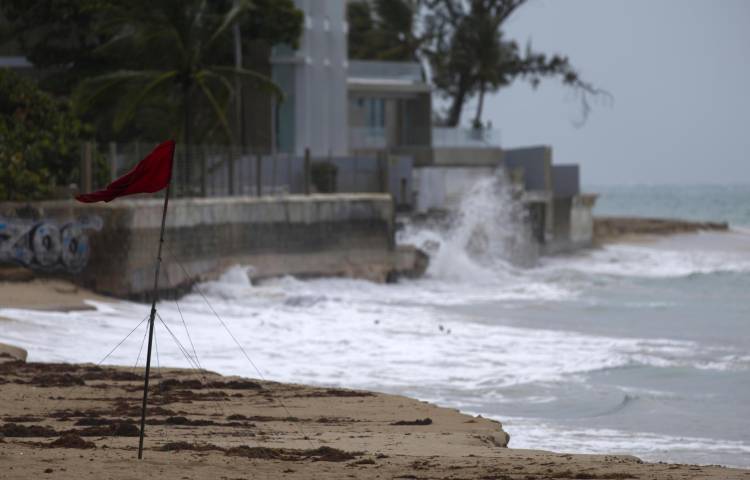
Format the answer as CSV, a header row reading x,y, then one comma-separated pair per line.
x,y
679,71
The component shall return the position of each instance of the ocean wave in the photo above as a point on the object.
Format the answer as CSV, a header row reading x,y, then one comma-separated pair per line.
x,y
330,331
681,256
627,400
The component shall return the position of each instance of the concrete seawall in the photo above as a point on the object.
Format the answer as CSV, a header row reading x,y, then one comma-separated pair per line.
x,y
318,235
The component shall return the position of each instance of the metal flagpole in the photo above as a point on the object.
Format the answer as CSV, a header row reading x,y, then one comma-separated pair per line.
x,y
151,324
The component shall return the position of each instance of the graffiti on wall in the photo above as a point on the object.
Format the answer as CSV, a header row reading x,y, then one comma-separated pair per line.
x,y
46,244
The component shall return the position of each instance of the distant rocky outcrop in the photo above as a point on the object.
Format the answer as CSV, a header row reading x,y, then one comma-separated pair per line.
x,y
607,229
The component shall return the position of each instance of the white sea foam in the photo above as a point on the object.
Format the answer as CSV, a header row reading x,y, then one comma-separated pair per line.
x,y
484,238
676,256
341,332
536,434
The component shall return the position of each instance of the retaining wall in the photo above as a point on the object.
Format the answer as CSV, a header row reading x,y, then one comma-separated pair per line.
x,y
115,244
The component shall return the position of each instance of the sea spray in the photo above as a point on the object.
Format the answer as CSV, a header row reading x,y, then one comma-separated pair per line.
x,y
485,236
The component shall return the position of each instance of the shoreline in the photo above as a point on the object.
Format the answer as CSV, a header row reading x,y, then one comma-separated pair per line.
x,y
362,435
23,288
79,420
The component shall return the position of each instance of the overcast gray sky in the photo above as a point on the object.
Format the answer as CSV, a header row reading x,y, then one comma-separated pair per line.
x,y
679,71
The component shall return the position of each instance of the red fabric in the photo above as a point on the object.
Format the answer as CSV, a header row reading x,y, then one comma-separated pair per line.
x,y
152,174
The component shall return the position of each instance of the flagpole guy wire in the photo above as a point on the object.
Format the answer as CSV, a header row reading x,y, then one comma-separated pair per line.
x,y
237,342
151,324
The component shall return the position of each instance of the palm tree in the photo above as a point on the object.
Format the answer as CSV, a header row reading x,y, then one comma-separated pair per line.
x,y
177,59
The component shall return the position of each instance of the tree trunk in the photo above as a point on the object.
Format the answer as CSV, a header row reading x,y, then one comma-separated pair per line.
x,y
480,106
457,106
459,99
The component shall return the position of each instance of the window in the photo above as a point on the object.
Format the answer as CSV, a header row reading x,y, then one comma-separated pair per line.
x,y
375,112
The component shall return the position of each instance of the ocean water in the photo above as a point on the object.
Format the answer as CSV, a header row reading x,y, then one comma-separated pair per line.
x,y
639,348
710,203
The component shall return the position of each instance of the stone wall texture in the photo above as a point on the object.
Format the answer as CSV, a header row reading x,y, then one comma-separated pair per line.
x,y
316,235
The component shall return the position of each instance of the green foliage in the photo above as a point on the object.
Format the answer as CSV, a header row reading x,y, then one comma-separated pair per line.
x,y
40,140
323,175
272,22
181,75
383,30
149,69
57,36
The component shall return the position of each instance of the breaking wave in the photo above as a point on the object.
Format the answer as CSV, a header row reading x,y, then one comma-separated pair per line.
x,y
484,238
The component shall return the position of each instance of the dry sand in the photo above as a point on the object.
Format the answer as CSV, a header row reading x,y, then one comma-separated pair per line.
x,y
46,294
67,421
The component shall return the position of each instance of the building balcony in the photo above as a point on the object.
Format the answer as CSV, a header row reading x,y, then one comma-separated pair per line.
x,y
445,137
370,138
409,72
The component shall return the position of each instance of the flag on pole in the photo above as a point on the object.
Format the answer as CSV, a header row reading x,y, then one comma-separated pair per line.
x,y
152,174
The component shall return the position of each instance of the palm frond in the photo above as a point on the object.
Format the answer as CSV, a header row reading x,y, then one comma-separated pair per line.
x,y
126,114
229,19
92,89
255,77
218,110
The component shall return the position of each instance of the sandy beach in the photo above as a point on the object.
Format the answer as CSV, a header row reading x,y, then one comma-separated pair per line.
x,y
72,421
21,288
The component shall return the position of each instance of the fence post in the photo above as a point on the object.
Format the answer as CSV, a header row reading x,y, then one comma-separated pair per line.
x,y
86,183
112,161
230,169
355,172
308,172
385,172
204,173
259,174
273,159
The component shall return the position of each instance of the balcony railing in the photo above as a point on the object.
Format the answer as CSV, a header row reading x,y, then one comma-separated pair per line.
x,y
444,137
404,71
367,137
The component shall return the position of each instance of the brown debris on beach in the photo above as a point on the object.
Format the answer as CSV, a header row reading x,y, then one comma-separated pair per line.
x,y
69,421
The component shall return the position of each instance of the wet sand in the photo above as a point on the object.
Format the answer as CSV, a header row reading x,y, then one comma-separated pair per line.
x,y
81,421
46,294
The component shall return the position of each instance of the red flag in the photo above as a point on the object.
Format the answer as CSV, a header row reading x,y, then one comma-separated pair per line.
x,y
152,174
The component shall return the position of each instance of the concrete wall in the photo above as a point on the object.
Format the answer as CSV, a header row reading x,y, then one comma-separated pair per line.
x,y
453,157
573,224
582,221
442,187
566,180
562,209
532,168
534,163
332,235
